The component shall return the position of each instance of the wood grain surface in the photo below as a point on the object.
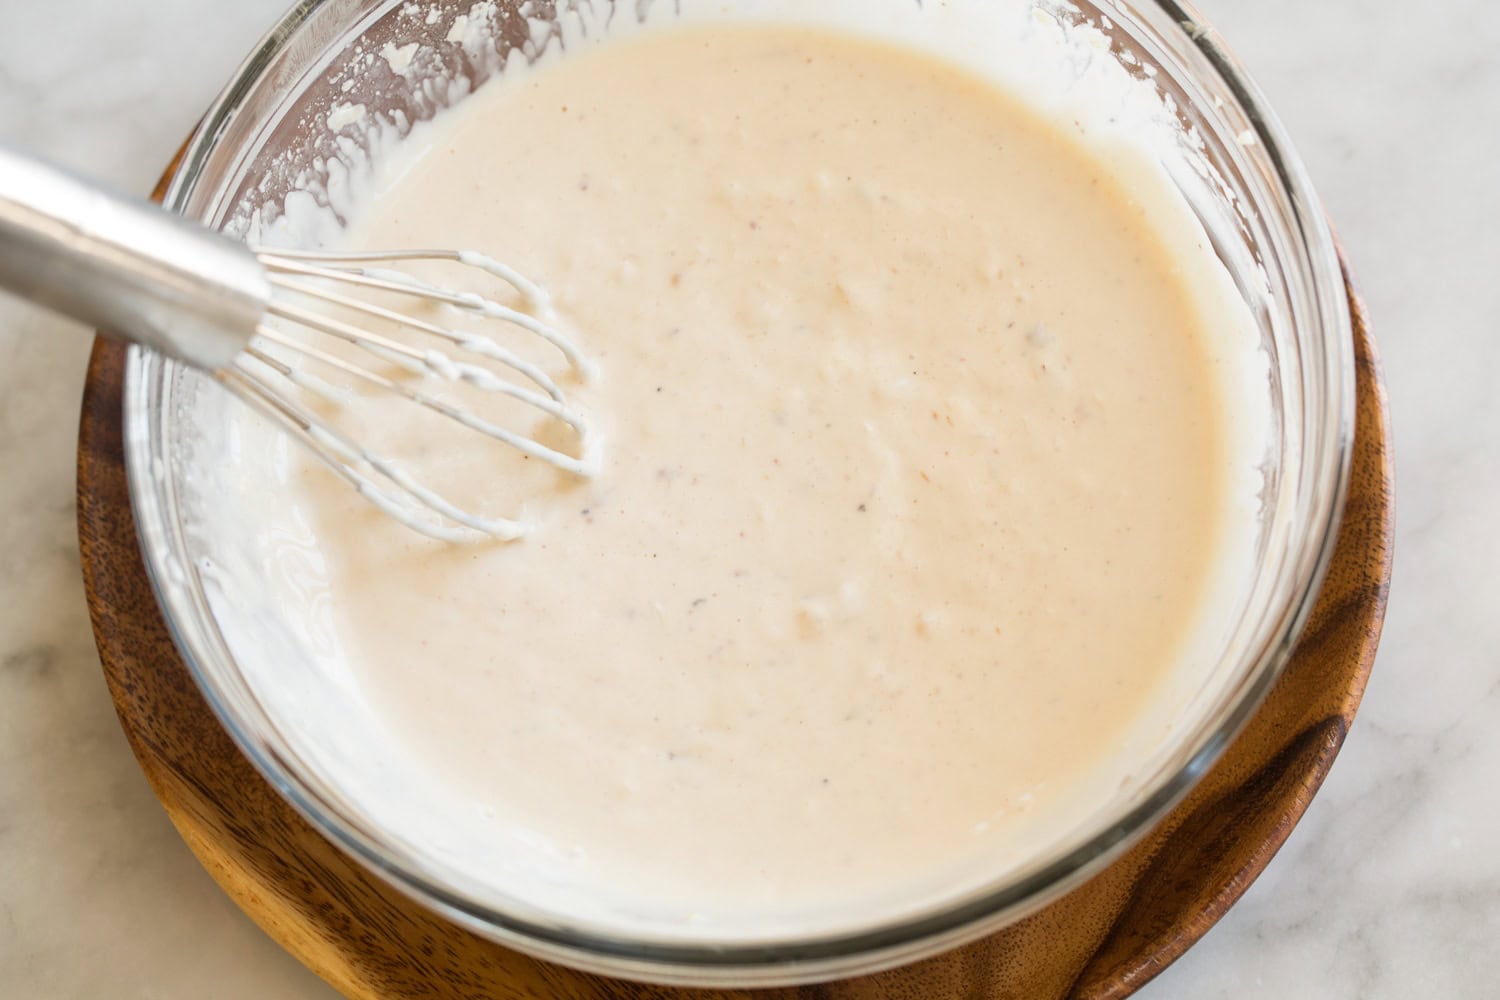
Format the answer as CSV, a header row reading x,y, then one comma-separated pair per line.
x,y
1102,941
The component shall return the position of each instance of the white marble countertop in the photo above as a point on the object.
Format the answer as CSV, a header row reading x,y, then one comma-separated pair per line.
x,y
1389,889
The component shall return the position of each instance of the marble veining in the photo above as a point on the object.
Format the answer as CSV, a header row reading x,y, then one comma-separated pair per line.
x,y
1389,889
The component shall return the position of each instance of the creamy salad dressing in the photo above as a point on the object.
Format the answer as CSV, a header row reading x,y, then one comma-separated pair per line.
x,y
916,467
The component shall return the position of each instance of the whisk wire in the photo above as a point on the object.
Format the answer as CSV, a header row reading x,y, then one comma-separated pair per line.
x,y
482,346
341,455
534,294
308,275
522,444
311,265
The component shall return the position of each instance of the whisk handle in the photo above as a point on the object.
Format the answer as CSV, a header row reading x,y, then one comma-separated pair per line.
x,y
125,265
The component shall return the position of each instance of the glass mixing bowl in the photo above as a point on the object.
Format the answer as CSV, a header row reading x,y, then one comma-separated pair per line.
x,y
270,132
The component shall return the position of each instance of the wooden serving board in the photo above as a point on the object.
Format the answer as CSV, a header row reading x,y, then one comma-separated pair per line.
x,y
1105,939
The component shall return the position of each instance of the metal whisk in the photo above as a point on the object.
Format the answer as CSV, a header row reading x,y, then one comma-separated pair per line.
x,y
239,314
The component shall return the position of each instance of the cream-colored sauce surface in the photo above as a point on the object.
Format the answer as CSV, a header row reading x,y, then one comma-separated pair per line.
x,y
911,475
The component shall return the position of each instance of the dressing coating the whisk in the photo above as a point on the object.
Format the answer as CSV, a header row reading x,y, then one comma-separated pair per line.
x,y
280,328
457,356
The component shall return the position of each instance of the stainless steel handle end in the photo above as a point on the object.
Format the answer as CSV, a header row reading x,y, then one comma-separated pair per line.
x,y
125,265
